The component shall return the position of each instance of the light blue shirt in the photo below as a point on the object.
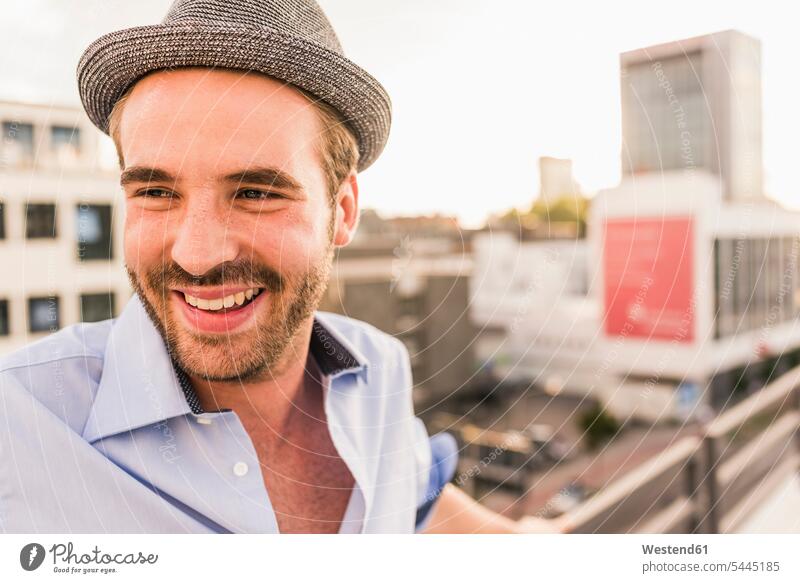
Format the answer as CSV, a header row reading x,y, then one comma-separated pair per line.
x,y
98,434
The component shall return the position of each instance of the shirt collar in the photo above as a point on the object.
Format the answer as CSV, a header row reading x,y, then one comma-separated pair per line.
x,y
140,386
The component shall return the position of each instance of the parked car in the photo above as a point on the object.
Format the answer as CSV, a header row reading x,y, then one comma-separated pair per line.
x,y
545,441
569,497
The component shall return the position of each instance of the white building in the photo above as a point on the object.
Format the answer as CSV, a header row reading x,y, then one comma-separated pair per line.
x,y
688,297
697,296
529,301
60,237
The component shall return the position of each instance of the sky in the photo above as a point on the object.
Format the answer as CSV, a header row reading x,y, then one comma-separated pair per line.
x,y
479,89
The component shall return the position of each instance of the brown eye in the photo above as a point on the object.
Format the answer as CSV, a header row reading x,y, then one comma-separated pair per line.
x,y
253,194
155,193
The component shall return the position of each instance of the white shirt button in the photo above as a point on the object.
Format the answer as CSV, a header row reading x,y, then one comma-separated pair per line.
x,y
240,469
204,421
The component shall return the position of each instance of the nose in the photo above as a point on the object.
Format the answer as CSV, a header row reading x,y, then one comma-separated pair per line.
x,y
204,239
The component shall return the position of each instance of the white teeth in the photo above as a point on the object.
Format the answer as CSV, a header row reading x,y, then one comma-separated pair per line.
x,y
220,303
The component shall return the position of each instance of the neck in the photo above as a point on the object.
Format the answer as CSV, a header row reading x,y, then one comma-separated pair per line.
x,y
273,396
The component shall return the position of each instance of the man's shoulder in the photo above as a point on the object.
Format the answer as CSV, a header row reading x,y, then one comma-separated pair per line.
x,y
77,341
371,341
61,371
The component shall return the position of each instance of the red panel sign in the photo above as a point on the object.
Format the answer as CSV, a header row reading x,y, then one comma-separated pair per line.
x,y
648,266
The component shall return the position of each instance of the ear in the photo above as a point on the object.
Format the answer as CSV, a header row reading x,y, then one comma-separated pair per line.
x,y
347,211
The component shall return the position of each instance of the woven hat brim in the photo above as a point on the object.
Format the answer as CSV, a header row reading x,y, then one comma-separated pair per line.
x,y
115,61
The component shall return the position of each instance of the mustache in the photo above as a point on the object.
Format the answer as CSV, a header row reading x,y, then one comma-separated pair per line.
x,y
230,273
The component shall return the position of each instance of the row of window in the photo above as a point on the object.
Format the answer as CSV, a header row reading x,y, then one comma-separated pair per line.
x,y
93,227
44,312
756,283
19,136
666,122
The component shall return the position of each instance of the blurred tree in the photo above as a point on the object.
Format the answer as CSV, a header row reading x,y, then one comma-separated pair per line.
x,y
566,212
563,217
598,426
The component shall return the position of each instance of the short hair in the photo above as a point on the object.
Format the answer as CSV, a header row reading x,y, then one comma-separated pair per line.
x,y
338,147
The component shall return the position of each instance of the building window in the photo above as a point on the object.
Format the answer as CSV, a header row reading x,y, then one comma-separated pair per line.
x,y
94,232
61,137
4,324
97,307
43,314
65,143
40,221
719,282
791,247
2,220
758,277
17,143
411,306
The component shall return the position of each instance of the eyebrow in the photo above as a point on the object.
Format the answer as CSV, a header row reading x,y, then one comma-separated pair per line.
x,y
262,175
267,176
144,174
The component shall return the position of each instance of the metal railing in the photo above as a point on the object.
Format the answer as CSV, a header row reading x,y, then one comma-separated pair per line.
x,y
710,483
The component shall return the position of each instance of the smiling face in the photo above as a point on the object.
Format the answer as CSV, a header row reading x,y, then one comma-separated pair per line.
x,y
230,225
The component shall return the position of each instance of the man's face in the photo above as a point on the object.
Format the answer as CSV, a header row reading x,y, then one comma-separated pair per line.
x,y
228,233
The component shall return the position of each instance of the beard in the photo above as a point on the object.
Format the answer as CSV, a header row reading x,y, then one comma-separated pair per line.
x,y
255,354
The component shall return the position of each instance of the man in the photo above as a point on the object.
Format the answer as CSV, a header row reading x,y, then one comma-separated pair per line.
x,y
221,400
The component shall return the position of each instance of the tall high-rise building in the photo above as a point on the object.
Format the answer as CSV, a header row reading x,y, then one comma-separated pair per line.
x,y
695,104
